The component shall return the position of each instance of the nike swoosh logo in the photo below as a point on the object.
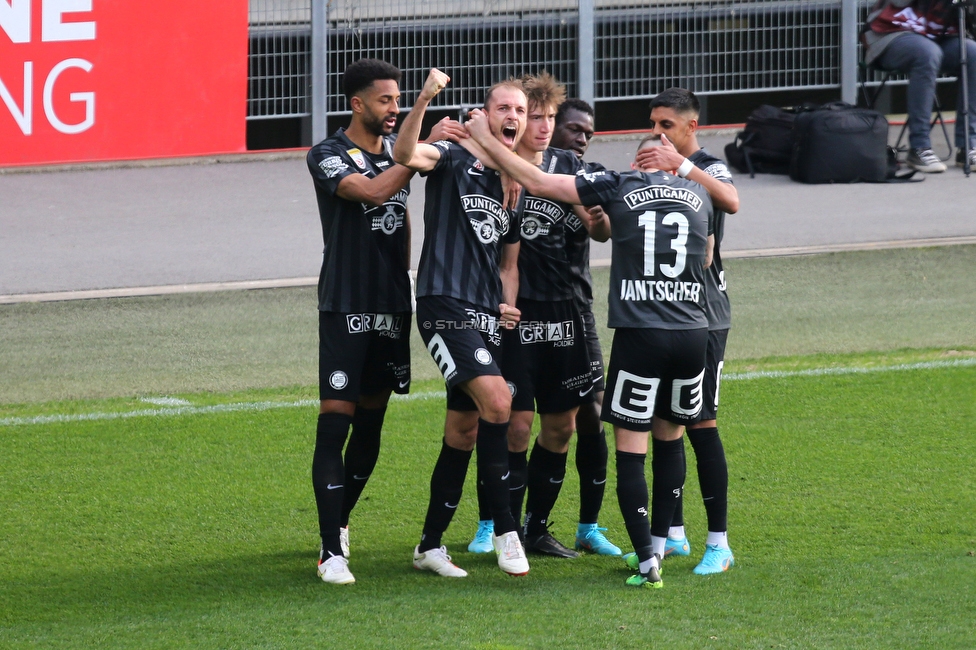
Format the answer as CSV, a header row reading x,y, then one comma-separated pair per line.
x,y
583,393
512,489
555,482
596,482
707,498
507,474
333,487
450,506
360,478
474,173
404,384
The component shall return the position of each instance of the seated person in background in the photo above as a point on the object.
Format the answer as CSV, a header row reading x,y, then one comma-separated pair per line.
x,y
921,39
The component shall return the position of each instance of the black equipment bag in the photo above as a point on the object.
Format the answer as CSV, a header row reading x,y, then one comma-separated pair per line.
x,y
766,144
840,143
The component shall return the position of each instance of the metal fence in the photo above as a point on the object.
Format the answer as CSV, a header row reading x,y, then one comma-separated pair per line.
x,y
601,49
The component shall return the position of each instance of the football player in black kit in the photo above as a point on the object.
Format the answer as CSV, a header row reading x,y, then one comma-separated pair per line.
x,y
364,299
661,226
546,362
573,131
467,285
674,114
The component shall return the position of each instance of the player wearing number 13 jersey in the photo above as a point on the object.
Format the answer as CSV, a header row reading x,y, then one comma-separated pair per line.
x,y
660,225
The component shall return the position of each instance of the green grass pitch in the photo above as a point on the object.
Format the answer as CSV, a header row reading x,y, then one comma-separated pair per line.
x,y
191,523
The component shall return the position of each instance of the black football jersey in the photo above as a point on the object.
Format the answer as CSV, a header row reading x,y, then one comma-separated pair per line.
x,y
364,262
544,266
578,253
465,228
717,306
660,225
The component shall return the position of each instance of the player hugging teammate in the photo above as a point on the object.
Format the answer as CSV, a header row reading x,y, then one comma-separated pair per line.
x,y
502,291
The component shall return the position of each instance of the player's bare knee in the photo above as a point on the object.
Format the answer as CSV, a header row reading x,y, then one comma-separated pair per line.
x,y
337,406
519,430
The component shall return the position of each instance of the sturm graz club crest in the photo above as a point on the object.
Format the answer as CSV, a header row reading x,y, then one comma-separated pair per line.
x,y
338,380
482,356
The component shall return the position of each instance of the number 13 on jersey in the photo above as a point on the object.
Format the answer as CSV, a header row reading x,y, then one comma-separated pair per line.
x,y
648,221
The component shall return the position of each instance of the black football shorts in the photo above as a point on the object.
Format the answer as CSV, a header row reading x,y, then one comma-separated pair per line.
x,y
655,372
363,354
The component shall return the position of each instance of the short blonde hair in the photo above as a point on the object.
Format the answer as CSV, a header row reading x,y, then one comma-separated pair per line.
x,y
511,82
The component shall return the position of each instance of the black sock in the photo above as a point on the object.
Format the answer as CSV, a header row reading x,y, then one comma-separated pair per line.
x,y
484,509
493,473
518,466
679,511
328,476
446,486
361,454
632,497
547,470
668,468
591,463
713,476
516,487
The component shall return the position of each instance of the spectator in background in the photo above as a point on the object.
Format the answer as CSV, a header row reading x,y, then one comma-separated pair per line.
x,y
921,39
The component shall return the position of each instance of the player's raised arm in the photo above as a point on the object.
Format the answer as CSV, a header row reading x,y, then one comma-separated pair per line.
x,y
559,187
407,151
724,195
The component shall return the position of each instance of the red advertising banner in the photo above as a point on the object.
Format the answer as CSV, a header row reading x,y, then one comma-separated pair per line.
x,y
87,80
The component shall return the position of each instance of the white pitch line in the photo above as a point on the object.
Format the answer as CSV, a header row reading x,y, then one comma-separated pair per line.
x,y
237,407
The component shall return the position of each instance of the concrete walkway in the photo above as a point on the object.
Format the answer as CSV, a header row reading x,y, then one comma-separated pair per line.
x,y
253,221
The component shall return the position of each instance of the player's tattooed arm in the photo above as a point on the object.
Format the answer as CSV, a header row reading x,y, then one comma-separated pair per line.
x,y
559,187
595,220
407,151
508,271
724,195
376,190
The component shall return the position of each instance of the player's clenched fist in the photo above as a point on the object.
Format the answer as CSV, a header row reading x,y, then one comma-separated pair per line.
x,y
436,81
477,125
510,316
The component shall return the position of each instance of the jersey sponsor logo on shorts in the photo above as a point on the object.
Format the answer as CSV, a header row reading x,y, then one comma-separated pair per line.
x,y
442,356
332,166
653,193
660,290
482,356
686,395
359,323
542,332
633,396
357,157
488,218
338,380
